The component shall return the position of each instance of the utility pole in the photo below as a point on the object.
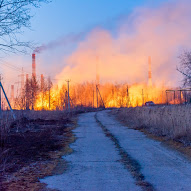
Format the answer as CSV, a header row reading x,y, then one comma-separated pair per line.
x,y
0,99
27,92
22,88
1,87
66,100
127,96
49,90
42,89
97,94
12,93
101,97
93,98
166,98
68,82
97,79
142,97
22,82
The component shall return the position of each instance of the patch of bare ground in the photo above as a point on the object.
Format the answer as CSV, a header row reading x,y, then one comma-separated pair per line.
x,y
33,149
168,124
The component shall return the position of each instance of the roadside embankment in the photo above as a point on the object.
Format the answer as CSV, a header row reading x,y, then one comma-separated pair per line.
x,y
33,148
166,123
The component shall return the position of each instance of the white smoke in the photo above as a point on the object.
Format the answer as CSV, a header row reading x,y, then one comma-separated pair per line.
x,y
161,33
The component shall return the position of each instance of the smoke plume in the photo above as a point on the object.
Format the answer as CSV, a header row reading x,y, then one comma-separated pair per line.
x,y
157,32
64,41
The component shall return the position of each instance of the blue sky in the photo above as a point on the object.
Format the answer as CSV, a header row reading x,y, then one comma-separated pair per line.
x,y
61,17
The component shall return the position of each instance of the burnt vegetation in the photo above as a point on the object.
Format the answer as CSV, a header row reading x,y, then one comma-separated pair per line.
x,y
34,138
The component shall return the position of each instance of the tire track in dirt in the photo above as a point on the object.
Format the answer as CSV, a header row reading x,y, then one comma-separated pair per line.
x,y
130,163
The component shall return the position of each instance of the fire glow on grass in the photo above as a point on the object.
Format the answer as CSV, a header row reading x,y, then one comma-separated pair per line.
x,y
113,95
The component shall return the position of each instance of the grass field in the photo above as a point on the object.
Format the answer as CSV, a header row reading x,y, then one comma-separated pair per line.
x,y
172,122
32,146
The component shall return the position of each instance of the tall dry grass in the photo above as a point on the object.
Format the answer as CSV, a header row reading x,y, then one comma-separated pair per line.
x,y
26,122
9,126
5,122
173,122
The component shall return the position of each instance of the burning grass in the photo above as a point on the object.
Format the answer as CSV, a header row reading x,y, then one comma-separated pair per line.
x,y
113,95
171,122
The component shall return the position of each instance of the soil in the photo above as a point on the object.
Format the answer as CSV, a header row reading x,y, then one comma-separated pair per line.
x,y
33,150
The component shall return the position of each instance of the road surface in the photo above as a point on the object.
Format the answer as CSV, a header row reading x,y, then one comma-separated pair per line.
x,y
110,156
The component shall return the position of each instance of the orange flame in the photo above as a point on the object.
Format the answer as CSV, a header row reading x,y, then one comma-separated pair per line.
x,y
113,95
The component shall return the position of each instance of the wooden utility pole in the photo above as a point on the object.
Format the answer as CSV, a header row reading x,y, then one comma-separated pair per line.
x,y
49,81
42,89
127,96
166,98
0,99
97,94
1,87
68,82
27,92
93,99
66,100
22,82
142,97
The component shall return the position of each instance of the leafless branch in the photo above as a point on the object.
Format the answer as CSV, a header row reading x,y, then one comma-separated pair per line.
x,y
185,67
14,17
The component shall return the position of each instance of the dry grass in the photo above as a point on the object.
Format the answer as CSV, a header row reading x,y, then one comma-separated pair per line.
x,y
172,122
35,137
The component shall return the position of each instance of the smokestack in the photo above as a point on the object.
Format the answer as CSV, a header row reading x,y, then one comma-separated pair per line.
x,y
42,81
27,77
97,71
149,73
33,66
12,92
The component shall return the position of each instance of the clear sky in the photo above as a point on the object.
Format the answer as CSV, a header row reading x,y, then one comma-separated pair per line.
x,y
61,17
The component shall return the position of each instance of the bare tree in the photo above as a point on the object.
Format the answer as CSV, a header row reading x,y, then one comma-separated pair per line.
x,y
185,67
14,16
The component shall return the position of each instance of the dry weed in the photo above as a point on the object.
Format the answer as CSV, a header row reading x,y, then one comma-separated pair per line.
x,y
173,122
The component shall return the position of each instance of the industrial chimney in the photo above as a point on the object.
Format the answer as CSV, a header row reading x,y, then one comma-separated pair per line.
x,y
97,71
149,73
12,92
27,77
33,66
42,81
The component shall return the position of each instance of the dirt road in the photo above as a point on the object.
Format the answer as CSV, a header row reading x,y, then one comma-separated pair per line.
x,y
109,156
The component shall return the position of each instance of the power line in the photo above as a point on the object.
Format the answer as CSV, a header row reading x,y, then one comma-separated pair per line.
x,y
19,69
